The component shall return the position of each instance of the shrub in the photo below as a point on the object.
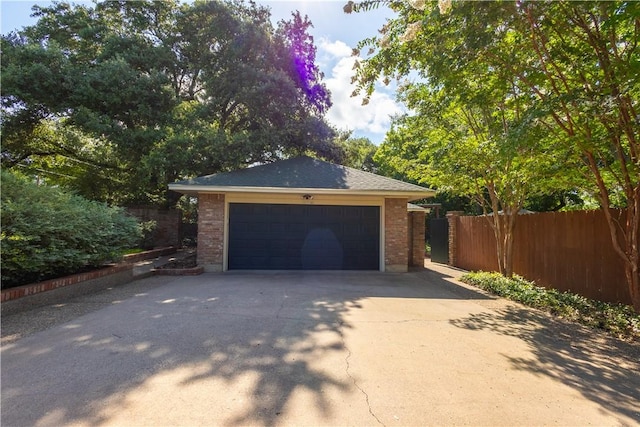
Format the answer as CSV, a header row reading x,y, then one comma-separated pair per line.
x,y
617,319
48,232
147,232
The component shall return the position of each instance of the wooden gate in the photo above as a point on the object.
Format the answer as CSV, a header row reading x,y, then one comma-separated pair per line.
x,y
439,240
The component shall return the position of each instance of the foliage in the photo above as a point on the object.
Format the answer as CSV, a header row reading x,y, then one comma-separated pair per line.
x,y
394,166
556,77
119,98
47,232
617,319
147,231
358,152
560,200
472,140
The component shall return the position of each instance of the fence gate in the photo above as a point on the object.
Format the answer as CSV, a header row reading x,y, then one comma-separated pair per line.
x,y
439,240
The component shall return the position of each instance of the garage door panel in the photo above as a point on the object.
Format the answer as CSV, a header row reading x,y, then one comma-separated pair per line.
x,y
270,236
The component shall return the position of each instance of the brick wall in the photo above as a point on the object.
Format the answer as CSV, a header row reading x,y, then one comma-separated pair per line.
x,y
453,217
60,290
417,238
396,257
211,231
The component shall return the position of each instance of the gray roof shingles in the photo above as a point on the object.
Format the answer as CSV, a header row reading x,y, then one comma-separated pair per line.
x,y
303,172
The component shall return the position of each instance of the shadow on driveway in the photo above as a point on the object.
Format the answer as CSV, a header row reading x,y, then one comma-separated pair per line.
x,y
272,331
252,345
603,369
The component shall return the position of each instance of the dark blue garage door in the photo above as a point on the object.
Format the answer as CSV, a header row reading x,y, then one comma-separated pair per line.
x,y
303,237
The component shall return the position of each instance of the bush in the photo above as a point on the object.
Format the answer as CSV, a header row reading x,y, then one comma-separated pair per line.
x,y
617,319
147,231
48,232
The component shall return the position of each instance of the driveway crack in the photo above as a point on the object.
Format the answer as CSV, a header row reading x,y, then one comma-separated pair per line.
x,y
355,383
281,306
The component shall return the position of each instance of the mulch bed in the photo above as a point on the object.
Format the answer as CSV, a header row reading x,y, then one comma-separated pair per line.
x,y
188,261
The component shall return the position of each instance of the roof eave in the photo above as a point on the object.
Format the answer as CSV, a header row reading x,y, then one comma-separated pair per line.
x,y
415,208
195,189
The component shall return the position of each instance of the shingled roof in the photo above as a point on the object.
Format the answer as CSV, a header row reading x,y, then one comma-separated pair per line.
x,y
301,174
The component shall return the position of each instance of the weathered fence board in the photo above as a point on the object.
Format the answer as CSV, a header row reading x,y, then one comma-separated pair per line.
x,y
569,251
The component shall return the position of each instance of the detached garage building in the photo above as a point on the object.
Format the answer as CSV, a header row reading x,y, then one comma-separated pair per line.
x,y
306,214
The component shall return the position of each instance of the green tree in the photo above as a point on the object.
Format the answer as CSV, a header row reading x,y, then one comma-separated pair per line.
x,y
587,89
477,152
358,153
575,65
470,139
159,91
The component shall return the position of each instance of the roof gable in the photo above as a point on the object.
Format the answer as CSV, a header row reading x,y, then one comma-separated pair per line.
x,y
299,173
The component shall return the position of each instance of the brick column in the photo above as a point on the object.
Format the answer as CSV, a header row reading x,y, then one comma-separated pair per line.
x,y
452,217
211,231
417,239
396,257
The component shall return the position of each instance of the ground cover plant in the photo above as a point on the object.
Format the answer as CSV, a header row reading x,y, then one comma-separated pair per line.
x,y
48,232
616,319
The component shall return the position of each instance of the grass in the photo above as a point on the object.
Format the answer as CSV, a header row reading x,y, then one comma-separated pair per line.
x,y
618,320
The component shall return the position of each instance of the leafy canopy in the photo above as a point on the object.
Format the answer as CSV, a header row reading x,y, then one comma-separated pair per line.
x,y
140,94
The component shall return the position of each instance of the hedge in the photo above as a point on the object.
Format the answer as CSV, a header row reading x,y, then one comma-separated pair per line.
x,y
48,232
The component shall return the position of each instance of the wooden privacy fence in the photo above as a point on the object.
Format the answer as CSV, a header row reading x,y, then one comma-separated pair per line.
x,y
568,251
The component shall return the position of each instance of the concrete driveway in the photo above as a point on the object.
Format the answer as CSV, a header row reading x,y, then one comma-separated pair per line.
x,y
371,349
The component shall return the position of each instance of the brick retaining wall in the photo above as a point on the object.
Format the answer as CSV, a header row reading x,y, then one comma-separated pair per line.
x,y
33,295
60,290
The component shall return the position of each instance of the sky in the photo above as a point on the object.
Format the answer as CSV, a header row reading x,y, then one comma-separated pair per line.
x,y
335,34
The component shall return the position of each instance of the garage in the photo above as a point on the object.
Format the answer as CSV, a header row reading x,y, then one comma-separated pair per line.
x,y
303,237
306,214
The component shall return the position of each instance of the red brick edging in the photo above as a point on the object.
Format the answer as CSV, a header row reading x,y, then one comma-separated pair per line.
x,y
48,285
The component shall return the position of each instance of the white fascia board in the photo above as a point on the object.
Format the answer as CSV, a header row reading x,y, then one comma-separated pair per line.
x,y
417,209
194,189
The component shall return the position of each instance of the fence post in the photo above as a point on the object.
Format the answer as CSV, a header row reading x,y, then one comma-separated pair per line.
x,y
452,218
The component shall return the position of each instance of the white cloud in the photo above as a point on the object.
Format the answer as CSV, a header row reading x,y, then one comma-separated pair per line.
x,y
337,49
371,120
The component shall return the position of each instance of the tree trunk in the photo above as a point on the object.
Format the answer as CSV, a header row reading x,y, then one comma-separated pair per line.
x,y
633,280
496,225
497,230
503,228
627,245
510,220
632,250
633,247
